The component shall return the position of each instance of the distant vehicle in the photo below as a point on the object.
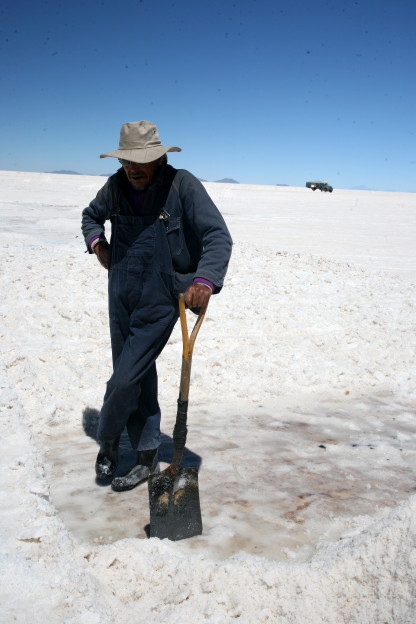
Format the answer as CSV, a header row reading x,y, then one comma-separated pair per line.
x,y
322,186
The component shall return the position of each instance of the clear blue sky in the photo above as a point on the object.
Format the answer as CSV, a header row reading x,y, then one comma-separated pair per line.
x,y
265,92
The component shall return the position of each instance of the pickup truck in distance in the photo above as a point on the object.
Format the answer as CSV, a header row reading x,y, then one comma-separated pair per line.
x,y
322,186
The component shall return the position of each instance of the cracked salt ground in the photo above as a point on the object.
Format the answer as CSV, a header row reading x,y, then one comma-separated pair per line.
x,y
308,475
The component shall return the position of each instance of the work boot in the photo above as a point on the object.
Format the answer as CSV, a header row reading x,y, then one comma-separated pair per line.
x,y
107,459
147,464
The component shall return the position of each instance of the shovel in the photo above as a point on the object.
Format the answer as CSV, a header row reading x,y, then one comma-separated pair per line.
x,y
175,512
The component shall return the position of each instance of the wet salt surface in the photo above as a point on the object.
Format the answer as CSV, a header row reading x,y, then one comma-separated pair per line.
x,y
302,479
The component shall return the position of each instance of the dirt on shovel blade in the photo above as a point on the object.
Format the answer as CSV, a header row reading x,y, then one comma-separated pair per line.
x,y
175,511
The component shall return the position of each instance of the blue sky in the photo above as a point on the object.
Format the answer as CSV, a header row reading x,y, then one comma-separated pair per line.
x,y
265,92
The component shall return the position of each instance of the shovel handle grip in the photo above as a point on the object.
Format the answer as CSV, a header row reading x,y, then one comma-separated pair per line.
x,y
189,340
180,431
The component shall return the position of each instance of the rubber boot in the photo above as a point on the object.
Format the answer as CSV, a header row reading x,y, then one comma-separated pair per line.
x,y
107,459
147,464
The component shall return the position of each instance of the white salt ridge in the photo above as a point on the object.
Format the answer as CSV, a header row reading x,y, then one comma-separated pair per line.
x,y
302,408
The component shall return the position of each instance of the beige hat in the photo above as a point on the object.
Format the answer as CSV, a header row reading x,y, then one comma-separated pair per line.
x,y
140,142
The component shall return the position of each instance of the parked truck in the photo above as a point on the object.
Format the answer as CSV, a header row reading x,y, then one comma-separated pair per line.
x,y
322,186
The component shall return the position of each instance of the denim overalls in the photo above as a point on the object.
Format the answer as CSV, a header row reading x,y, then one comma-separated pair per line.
x,y
143,310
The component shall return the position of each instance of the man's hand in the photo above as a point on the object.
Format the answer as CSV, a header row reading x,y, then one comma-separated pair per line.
x,y
102,250
197,295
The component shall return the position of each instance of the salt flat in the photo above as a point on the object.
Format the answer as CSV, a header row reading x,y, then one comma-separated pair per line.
x,y
302,415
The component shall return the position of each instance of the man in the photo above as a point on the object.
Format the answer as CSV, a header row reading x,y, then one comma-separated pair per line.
x,y
167,237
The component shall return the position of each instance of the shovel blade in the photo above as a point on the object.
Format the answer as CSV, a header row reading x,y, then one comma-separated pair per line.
x,y
175,511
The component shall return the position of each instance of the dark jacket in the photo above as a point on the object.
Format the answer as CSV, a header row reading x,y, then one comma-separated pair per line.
x,y
198,237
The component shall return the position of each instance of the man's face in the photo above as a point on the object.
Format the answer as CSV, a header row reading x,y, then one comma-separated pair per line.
x,y
140,176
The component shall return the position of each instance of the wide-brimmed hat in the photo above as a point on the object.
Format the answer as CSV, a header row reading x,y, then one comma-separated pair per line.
x,y
140,142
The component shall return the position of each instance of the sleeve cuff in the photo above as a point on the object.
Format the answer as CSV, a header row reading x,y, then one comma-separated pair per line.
x,y
202,280
93,242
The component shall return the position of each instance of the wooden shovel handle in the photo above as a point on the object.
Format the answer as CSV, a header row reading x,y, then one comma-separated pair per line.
x,y
189,341
180,430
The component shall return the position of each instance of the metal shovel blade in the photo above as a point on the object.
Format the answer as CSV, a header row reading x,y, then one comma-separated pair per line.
x,y
175,511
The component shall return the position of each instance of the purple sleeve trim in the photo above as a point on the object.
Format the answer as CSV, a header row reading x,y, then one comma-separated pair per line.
x,y
202,280
94,238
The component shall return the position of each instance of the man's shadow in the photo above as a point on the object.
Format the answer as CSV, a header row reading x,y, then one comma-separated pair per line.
x,y
128,456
